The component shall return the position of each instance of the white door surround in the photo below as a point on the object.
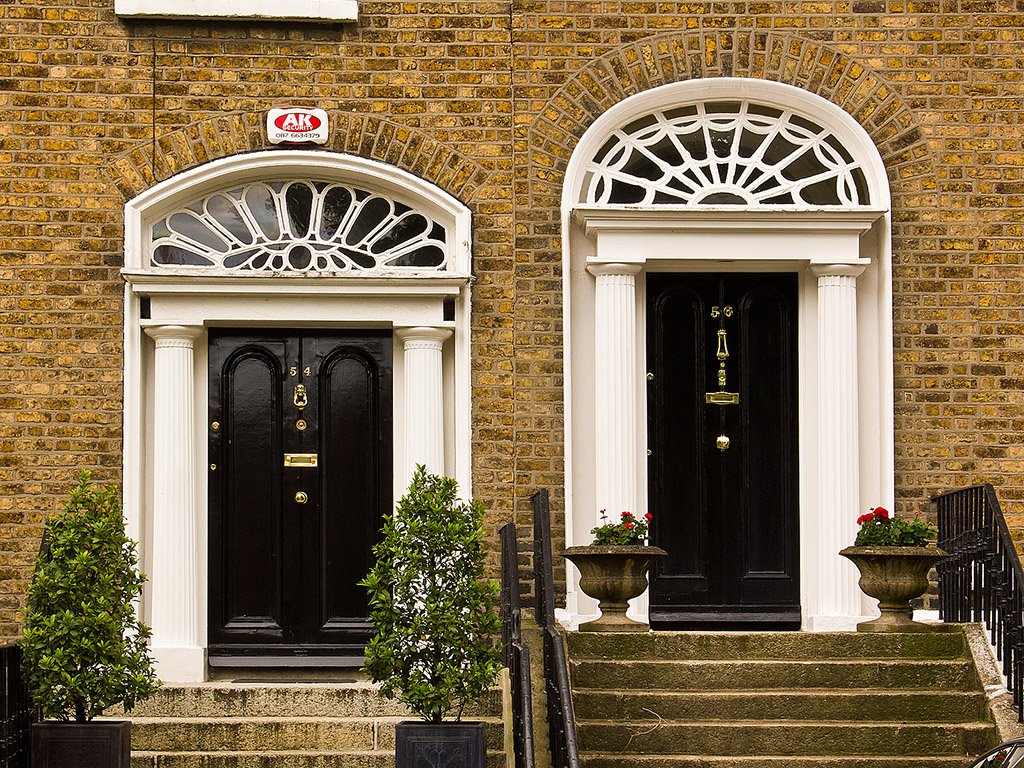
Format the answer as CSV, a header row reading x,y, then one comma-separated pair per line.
x,y
686,178
380,249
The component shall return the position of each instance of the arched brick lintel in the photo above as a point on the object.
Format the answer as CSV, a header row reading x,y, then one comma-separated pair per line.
x,y
361,135
807,64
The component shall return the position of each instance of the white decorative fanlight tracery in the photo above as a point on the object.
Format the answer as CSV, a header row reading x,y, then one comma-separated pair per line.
x,y
300,226
724,153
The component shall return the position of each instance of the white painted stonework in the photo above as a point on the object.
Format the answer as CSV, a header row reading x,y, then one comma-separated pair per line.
x,y
166,367
293,10
841,254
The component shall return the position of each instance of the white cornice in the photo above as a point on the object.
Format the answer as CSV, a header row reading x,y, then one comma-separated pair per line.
x,y
629,219
147,283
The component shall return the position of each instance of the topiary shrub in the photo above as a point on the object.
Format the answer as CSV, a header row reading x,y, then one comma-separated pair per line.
x,y
432,607
83,648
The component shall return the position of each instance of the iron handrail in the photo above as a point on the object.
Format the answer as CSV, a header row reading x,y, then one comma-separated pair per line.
x,y
982,580
515,654
561,721
17,712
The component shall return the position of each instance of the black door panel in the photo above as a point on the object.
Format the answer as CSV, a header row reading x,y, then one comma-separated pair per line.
x,y
300,478
727,516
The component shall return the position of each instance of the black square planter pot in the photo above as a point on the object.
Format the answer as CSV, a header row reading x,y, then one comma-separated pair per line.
x,y
440,745
96,744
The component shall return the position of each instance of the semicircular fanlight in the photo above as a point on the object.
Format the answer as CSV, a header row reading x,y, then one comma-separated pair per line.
x,y
300,226
724,153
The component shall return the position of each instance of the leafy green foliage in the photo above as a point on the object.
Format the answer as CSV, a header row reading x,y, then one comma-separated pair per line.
x,y
432,607
879,529
629,530
83,648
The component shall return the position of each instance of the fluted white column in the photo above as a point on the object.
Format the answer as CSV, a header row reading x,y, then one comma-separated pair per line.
x,y
424,398
176,643
838,442
615,387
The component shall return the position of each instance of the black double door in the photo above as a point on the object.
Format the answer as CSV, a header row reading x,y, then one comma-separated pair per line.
x,y
300,477
722,426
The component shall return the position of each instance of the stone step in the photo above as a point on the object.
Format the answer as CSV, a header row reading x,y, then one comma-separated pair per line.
x,y
750,738
941,644
278,759
784,704
765,761
244,734
759,674
293,699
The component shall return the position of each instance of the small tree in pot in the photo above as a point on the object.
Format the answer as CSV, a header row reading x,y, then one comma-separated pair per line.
x,y
83,648
435,617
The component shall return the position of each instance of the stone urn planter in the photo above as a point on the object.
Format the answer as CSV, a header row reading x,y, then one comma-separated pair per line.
x,y
614,575
894,576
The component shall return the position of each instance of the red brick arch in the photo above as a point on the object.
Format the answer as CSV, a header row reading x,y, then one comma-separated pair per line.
x,y
362,135
784,58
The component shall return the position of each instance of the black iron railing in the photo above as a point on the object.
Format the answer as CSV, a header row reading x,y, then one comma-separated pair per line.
x,y
516,654
982,579
561,722
16,711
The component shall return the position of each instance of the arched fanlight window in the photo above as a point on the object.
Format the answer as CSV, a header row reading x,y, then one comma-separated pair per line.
x,y
724,153
300,226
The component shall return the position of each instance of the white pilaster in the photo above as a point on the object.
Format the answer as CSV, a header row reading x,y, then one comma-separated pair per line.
x,y
838,444
176,643
424,399
616,366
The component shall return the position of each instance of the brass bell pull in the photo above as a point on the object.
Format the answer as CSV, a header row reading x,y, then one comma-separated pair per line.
x,y
722,442
301,497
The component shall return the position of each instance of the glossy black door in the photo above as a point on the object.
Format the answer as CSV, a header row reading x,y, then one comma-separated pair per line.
x,y
300,477
722,425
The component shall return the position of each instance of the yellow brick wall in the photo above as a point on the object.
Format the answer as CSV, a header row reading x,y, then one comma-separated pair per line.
x,y
487,99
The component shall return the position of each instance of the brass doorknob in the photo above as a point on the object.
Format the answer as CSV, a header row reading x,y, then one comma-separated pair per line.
x,y
301,497
722,442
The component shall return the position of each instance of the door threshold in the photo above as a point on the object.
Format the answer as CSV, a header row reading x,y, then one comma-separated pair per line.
x,y
286,662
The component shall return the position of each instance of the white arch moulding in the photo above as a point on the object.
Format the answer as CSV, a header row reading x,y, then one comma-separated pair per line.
x,y
663,182
376,276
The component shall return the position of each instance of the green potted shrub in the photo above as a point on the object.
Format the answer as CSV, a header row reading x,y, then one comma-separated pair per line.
x,y
613,570
83,648
894,557
434,613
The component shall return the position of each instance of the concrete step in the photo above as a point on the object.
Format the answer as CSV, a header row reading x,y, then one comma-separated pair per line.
x,y
765,761
271,759
748,646
752,738
280,725
243,734
951,675
785,704
767,700
293,699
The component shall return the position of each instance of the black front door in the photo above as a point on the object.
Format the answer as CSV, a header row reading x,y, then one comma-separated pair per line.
x,y
722,425
300,477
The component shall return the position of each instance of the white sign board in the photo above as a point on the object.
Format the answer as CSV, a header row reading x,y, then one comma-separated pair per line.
x,y
297,125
